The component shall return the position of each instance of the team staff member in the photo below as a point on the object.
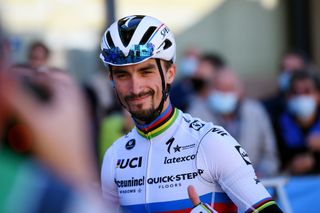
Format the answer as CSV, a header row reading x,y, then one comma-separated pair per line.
x,y
168,154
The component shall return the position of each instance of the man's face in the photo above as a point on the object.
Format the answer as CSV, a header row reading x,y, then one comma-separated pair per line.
x,y
38,57
305,87
139,86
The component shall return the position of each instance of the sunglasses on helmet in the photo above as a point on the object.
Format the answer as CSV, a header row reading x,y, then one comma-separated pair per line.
x,y
137,53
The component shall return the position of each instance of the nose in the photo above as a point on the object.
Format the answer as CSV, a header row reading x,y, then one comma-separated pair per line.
x,y
136,84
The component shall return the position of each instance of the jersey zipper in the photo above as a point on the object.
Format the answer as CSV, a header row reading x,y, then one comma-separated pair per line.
x,y
147,207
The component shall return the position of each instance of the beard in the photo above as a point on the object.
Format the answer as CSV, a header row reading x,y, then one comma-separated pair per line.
x,y
145,115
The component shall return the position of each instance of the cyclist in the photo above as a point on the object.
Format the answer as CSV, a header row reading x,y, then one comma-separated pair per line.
x,y
168,154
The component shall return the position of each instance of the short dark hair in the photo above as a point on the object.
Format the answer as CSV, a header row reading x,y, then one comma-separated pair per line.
x,y
167,65
304,75
214,59
39,44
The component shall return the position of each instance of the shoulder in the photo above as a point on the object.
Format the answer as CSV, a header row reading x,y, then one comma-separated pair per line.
x,y
217,136
206,133
222,154
195,125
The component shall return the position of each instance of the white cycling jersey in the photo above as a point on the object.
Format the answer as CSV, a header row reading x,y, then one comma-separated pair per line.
x,y
150,168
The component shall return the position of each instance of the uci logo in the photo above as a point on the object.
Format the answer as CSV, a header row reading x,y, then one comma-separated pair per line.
x,y
132,163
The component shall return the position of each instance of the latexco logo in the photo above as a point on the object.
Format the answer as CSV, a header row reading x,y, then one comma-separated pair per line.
x,y
178,159
132,163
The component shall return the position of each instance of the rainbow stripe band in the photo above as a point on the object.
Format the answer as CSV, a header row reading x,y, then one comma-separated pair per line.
x,y
160,125
261,205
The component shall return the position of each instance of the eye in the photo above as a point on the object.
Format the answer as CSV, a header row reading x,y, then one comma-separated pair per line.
x,y
121,75
147,72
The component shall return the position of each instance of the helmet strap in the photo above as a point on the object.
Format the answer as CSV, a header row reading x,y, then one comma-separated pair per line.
x,y
165,92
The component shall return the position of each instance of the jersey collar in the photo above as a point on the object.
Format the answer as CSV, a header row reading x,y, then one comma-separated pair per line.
x,y
160,124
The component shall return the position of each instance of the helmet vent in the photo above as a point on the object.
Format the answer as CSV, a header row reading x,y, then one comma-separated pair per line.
x,y
109,40
167,44
147,35
127,27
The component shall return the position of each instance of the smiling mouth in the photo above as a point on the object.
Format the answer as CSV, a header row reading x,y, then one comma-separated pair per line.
x,y
138,98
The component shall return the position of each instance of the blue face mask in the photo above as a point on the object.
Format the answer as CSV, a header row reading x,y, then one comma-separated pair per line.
x,y
284,81
188,66
302,106
222,102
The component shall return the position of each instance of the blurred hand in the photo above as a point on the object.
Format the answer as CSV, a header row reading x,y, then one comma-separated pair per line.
x,y
313,142
193,196
302,163
198,206
59,127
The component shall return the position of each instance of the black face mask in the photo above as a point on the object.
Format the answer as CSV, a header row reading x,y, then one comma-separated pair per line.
x,y
198,84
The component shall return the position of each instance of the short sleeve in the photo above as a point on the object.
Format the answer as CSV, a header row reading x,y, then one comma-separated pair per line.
x,y
226,162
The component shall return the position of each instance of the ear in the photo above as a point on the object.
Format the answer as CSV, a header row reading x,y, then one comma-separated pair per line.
x,y
111,79
110,76
171,73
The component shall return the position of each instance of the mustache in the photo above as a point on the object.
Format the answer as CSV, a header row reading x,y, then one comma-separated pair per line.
x,y
141,94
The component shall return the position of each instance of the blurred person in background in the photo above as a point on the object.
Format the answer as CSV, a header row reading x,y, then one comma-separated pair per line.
x,y
244,118
169,155
182,91
45,160
208,66
298,129
106,99
275,104
113,127
38,56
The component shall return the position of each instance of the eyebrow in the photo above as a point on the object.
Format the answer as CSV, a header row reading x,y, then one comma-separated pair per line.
x,y
141,69
147,67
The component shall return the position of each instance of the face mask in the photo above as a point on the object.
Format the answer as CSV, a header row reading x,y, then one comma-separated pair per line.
x,y
222,102
188,66
284,80
302,106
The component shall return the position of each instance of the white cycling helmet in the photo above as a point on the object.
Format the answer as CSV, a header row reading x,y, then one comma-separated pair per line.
x,y
134,39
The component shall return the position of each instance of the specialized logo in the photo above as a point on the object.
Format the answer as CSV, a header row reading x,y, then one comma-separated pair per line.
x,y
130,144
196,125
243,154
169,143
177,148
178,159
164,32
132,163
219,131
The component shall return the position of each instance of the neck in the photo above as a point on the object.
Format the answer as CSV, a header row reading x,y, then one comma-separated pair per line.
x,y
143,124
166,104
